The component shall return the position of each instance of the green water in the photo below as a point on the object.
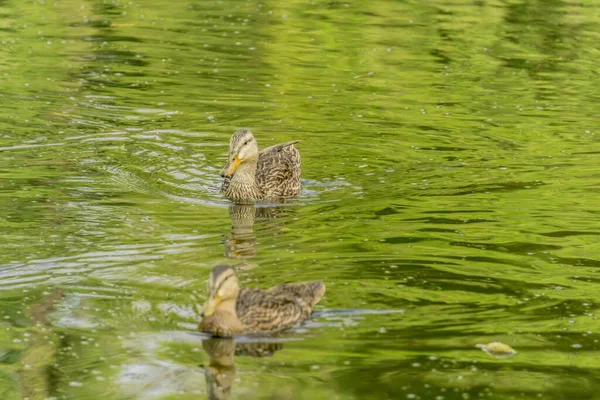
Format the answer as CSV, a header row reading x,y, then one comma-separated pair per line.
x,y
450,196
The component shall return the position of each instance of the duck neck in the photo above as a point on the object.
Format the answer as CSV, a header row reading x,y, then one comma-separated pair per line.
x,y
243,184
246,172
228,307
223,322
226,320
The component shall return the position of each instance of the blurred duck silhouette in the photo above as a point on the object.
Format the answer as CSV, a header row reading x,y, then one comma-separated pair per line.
x,y
230,310
241,244
220,374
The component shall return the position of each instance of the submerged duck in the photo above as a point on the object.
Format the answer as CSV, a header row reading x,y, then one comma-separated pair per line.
x,y
230,310
250,175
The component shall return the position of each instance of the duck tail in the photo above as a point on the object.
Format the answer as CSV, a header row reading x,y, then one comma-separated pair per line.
x,y
318,290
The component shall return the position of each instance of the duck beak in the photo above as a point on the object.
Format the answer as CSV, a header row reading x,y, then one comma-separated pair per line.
x,y
230,168
211,305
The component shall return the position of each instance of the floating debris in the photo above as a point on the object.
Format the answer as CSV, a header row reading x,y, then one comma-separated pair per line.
x,y
497,349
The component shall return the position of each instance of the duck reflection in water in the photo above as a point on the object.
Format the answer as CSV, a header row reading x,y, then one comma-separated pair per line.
x,y
241,245
220,373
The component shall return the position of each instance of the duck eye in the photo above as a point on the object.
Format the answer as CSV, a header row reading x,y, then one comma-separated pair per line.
x,y
245,143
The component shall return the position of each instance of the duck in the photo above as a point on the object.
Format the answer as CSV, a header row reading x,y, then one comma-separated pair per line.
x,y
231,310
251,175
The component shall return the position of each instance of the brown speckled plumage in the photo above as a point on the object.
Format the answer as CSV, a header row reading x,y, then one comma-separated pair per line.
x,y
272,173
232,310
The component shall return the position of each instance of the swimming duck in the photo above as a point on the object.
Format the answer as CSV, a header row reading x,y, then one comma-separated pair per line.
x,y
230,310
250,175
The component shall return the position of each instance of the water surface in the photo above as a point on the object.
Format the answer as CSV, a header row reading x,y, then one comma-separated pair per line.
x,y
450,164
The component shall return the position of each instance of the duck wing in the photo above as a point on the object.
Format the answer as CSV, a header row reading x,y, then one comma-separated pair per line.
x,y
262,311
307,293
278,170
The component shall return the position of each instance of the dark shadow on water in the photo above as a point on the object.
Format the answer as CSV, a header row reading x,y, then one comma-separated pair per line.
x,y
220,373
241,244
